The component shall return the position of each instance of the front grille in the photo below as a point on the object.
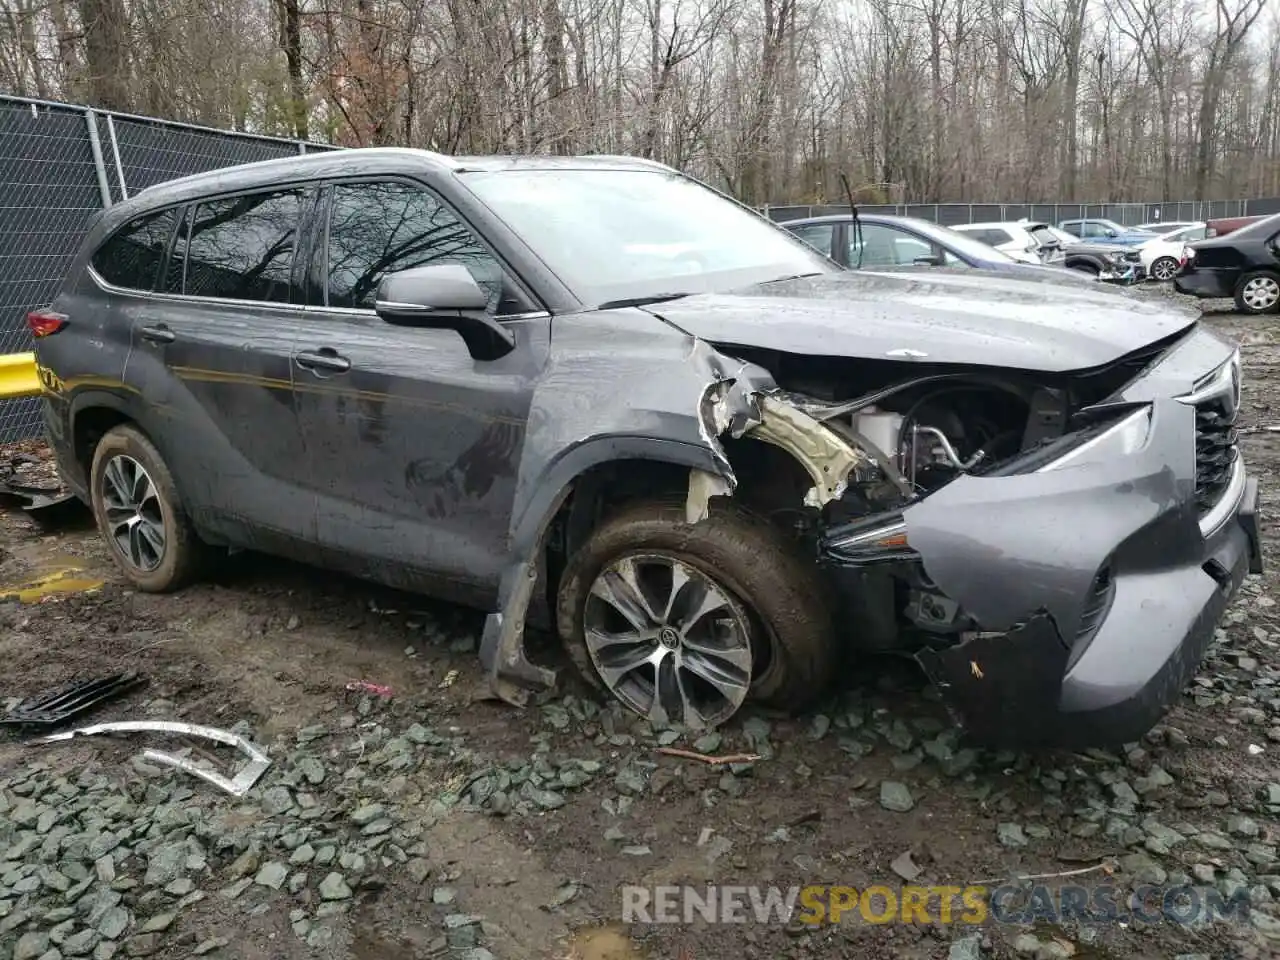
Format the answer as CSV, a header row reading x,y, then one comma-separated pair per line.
x,y
1216,451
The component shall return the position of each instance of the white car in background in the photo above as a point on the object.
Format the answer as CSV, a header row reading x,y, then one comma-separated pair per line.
x,y
1012,239
1167,227
1164,256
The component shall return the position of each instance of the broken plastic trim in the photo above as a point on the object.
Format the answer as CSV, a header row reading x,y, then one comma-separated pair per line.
x,y
828,458
237,786
61,705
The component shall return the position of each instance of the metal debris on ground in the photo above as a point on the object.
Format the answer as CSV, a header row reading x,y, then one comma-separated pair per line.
x,y
237,786
57,707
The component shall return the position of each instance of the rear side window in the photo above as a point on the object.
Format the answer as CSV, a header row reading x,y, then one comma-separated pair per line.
x,y
993,236
241,248
132,257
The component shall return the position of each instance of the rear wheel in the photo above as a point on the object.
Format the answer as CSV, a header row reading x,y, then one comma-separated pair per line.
x,y
1258,292
1164,268
684,622
140,515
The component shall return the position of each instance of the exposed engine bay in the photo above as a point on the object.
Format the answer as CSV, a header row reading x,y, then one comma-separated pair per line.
x,y
916,431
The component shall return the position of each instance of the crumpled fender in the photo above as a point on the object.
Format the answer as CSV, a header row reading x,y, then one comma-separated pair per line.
x,y
591,407
1007,547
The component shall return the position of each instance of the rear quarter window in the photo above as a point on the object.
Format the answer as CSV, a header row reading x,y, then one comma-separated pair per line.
x,y
132,257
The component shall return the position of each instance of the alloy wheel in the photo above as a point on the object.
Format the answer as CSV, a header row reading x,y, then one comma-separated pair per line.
x,y
1165,268
668,641
132,508
1261,293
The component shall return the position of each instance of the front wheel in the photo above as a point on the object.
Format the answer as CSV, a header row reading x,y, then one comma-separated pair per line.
x,y
685,622
1258,292
1164,268
140,514
1085,268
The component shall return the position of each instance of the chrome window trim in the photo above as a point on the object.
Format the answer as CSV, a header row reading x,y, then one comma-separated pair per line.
x,y
298,308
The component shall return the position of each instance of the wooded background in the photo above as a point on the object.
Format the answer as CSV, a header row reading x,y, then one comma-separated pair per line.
x,y
915,100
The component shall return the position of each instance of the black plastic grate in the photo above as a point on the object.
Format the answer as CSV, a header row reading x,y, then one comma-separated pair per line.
x,y
1216,453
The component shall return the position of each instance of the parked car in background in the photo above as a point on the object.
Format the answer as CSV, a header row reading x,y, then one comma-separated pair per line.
x,y
1104,231
1051,241
1011,238
889,241
1221,226
1165,255
1243,265
1105,262
1168,226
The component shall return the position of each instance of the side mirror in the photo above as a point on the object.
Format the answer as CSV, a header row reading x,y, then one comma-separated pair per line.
x,y
1112,233
444,296
933,260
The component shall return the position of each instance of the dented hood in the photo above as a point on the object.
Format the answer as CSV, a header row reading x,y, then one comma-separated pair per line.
x,y
978,317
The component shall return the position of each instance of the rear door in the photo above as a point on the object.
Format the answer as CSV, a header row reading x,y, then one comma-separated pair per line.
x,y
413,445
212,351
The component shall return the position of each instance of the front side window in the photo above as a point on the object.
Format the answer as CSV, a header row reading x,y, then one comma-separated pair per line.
x,y
132,257
619,233
381,228
885,246
241,248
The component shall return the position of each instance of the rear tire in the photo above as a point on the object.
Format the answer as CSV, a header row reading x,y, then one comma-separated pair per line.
x,y
762,575
1258,292
1164,268
140,514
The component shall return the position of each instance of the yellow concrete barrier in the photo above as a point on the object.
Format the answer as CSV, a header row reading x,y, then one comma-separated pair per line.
x,y
18,377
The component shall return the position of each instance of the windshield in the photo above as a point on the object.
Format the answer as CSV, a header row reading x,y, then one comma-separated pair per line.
x,y
616,234
1064,238
954,240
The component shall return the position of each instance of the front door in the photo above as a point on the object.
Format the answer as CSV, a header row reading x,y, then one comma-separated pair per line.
x,y
212,352
413,445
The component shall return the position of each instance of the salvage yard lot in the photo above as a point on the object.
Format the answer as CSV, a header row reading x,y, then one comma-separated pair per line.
x,y
440,823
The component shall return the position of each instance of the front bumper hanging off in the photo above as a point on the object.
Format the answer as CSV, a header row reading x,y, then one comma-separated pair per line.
x,y
1097,590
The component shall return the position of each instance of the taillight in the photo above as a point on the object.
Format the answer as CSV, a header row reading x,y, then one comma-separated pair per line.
x,y
45,323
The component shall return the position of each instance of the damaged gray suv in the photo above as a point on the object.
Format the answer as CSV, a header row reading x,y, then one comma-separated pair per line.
x,y
595,395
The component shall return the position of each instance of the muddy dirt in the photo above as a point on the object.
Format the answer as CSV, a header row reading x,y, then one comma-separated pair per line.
x,y
460,827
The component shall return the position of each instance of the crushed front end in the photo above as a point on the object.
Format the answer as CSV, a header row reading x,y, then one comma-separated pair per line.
x,y
1065,593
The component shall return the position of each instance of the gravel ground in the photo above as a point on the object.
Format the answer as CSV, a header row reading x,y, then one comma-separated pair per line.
x,y
439,823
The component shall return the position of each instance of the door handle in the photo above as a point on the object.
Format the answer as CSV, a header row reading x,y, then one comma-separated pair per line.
x,y
325,359
158,333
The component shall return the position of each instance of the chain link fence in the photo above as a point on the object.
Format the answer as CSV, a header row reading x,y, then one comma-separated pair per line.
x,y
1125,214
61,164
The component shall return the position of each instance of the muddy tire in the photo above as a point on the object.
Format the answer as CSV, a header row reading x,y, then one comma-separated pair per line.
x,y
734,555
140,514
1258,292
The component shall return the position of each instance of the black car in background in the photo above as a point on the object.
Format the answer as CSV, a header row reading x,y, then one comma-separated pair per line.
x,y
1243,265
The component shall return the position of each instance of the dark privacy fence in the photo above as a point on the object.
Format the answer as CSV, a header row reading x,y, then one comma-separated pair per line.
x,y
1126,214
61,164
